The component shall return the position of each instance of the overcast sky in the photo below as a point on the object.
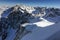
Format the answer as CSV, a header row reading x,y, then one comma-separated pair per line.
x,y
48,3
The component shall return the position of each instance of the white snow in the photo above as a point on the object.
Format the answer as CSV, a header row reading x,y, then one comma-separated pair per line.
x,y
43,23
42,33
43,29
29,9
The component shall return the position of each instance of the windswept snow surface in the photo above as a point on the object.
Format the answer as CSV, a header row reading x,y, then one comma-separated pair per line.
x,y
42,33
43,23
43,29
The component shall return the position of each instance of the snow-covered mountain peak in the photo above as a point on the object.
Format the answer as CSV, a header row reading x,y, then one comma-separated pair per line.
x,y
29,9
35,11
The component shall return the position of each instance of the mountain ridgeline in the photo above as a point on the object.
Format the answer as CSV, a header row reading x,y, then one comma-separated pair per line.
x,y
14,16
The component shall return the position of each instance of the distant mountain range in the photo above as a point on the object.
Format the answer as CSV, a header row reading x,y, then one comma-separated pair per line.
x,y
35,11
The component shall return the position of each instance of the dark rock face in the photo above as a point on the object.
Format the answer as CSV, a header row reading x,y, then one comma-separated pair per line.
x,y
13,20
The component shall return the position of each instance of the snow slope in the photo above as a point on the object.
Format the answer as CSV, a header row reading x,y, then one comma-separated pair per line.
x,y
42,23
43,29
42,33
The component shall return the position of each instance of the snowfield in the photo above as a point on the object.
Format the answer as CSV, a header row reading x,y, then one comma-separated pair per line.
x,y
43,29
43,33
43,23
